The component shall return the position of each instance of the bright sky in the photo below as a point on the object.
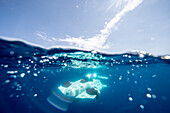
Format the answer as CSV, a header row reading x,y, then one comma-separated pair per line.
x,y
105,25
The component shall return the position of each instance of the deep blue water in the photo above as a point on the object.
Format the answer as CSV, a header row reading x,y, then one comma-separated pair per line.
x,y
138,82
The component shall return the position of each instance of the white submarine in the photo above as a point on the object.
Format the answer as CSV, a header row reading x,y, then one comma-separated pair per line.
x,y
88,88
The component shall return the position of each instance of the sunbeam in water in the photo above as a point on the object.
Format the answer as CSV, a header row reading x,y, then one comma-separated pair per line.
x,y
137,81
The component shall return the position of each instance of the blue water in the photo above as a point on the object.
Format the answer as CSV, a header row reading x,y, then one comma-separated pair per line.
x,y
138,82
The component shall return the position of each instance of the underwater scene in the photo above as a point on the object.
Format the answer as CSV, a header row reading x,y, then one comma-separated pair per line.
x,y
56,80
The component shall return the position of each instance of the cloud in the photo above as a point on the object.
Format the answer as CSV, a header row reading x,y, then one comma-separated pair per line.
x,y
42,35
132,4
116,4
45,37
96,42
99,41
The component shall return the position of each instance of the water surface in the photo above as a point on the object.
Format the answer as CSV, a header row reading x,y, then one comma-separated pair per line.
x,y
138,82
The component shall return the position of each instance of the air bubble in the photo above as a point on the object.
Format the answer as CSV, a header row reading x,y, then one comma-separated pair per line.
x,y
129,56
35,74
5,66
11,52
148,95
120,78
11,95
149,89
27,67
22,75
130,98
7,81
35,95
142,106
141,55
10,72
153,76
28,71
153,96
20,57
19,61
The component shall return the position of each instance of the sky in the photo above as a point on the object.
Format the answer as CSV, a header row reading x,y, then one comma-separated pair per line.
x,y
113,26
